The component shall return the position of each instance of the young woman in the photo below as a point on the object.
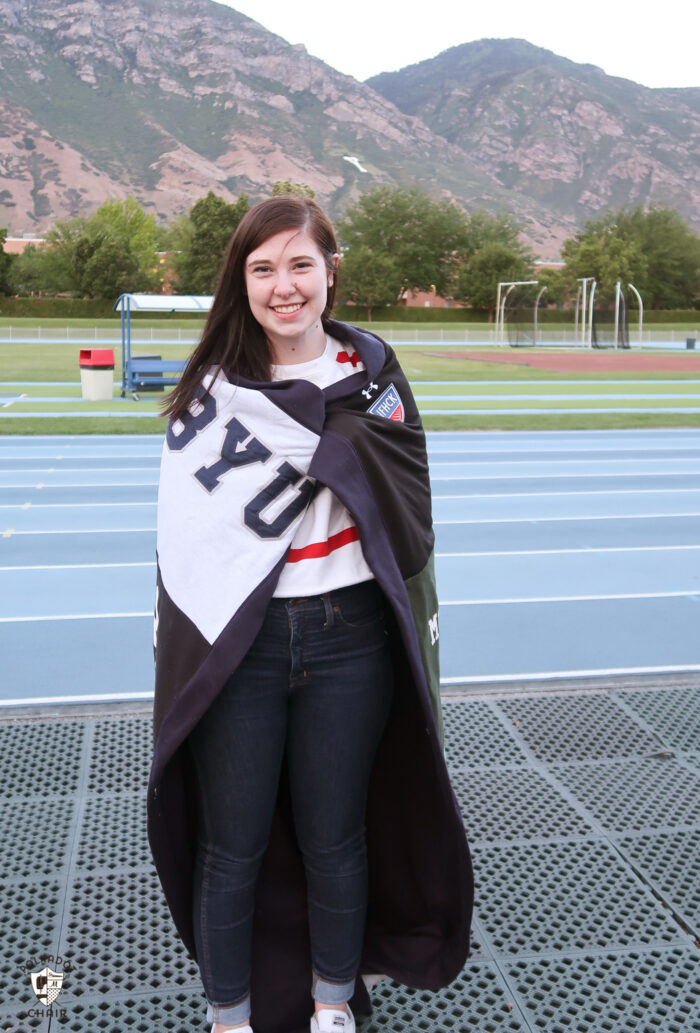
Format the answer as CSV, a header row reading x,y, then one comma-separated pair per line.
x,y
300,814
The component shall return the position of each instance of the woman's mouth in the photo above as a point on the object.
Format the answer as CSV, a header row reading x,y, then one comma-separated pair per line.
x,y
287,310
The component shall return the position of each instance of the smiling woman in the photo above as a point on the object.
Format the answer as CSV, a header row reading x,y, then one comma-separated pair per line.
x,y
297,756
287,281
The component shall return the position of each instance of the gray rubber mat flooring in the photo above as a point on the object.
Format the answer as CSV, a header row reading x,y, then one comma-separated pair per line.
x,y
583,810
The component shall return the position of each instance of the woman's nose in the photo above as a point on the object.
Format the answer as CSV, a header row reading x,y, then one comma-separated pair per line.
x,y
284,286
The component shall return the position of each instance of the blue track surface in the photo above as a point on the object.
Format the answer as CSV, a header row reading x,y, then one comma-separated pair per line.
x,y
558,554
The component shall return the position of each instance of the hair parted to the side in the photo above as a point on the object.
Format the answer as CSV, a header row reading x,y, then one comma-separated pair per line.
x,y
233,340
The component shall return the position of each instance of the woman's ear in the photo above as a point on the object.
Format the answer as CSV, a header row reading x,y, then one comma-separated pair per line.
x,y
331,275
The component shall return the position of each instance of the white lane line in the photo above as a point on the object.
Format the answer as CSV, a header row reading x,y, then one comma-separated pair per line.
x,y
107,697
96,505
591,475
82,469
434,448
588,462
556,494
11,401
80,530
558,519
73,617
547,476
568,598
105,484
584,673
562,552
451,602
80,566
438,555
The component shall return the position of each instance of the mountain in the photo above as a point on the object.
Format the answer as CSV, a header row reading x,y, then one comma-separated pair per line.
x,y
167,99
566,135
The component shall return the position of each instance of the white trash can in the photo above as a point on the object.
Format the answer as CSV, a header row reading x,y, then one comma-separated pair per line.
x,y
96,374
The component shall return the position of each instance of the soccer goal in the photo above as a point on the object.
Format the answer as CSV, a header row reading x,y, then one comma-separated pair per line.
x,y
516,313
610,326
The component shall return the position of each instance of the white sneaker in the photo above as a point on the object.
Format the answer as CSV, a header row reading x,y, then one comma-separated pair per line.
x,y
328,1020
241,1029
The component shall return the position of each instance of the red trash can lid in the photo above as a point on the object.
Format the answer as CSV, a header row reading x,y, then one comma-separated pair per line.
x,y
97,358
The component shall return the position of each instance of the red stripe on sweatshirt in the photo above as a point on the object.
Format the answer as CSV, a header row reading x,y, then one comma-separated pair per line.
x,y
318,549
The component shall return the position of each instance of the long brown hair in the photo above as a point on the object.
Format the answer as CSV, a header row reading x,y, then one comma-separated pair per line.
x,y
233,340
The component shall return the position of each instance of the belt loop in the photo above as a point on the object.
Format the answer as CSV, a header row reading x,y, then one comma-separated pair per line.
x,y
328,607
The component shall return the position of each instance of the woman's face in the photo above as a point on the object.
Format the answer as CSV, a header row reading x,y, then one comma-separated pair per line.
x,y
287,282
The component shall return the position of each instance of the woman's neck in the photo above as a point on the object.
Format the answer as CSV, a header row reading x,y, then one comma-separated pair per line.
x,y
291,351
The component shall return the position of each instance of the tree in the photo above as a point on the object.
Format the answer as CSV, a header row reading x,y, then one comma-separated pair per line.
x,y
105,265
214,222
655,250
554,280
128,222
5,265
112,252
369,278
419,235
285,188
478,276
484,227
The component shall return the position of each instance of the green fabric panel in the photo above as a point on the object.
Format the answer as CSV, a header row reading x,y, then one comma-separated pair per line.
x,y
422,593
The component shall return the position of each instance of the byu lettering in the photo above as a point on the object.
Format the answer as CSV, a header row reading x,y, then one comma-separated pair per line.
x,y
240,448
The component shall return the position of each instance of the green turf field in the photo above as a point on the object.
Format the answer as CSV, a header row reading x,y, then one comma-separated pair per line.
x,y
468,385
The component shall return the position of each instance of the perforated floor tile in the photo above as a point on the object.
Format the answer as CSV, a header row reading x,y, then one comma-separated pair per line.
x,y
30,910
518,803
21,1022
119,936
567,728
637,794
183,1012
629,992
673,713
474,735
552,897
120,755
40,758
35,836
113,832
476,1000
671,862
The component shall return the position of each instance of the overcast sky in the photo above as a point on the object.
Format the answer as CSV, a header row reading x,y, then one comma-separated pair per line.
x,y
653,43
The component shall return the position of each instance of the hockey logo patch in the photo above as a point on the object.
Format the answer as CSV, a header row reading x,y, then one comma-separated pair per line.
x,y
388,405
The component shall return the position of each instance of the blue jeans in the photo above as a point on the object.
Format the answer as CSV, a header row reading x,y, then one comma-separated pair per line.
x,y
315,690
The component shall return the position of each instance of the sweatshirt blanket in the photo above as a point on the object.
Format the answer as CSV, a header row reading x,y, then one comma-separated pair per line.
x,y
237,475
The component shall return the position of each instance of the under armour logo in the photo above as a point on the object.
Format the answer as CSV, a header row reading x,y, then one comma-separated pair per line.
x,y
434,629
367,391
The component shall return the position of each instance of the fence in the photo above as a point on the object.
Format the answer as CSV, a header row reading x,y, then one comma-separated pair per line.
x,y
186,337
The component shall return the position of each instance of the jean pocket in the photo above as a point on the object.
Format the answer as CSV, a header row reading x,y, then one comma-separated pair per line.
x,y
359,614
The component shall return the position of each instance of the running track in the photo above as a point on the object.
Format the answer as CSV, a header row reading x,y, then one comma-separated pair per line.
x,y
559,554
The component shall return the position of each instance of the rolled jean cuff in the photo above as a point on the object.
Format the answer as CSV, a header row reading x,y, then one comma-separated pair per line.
x,y
229,1014
326,992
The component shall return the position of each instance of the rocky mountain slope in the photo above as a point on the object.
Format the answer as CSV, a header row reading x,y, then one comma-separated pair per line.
x,y
167,99
565,134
